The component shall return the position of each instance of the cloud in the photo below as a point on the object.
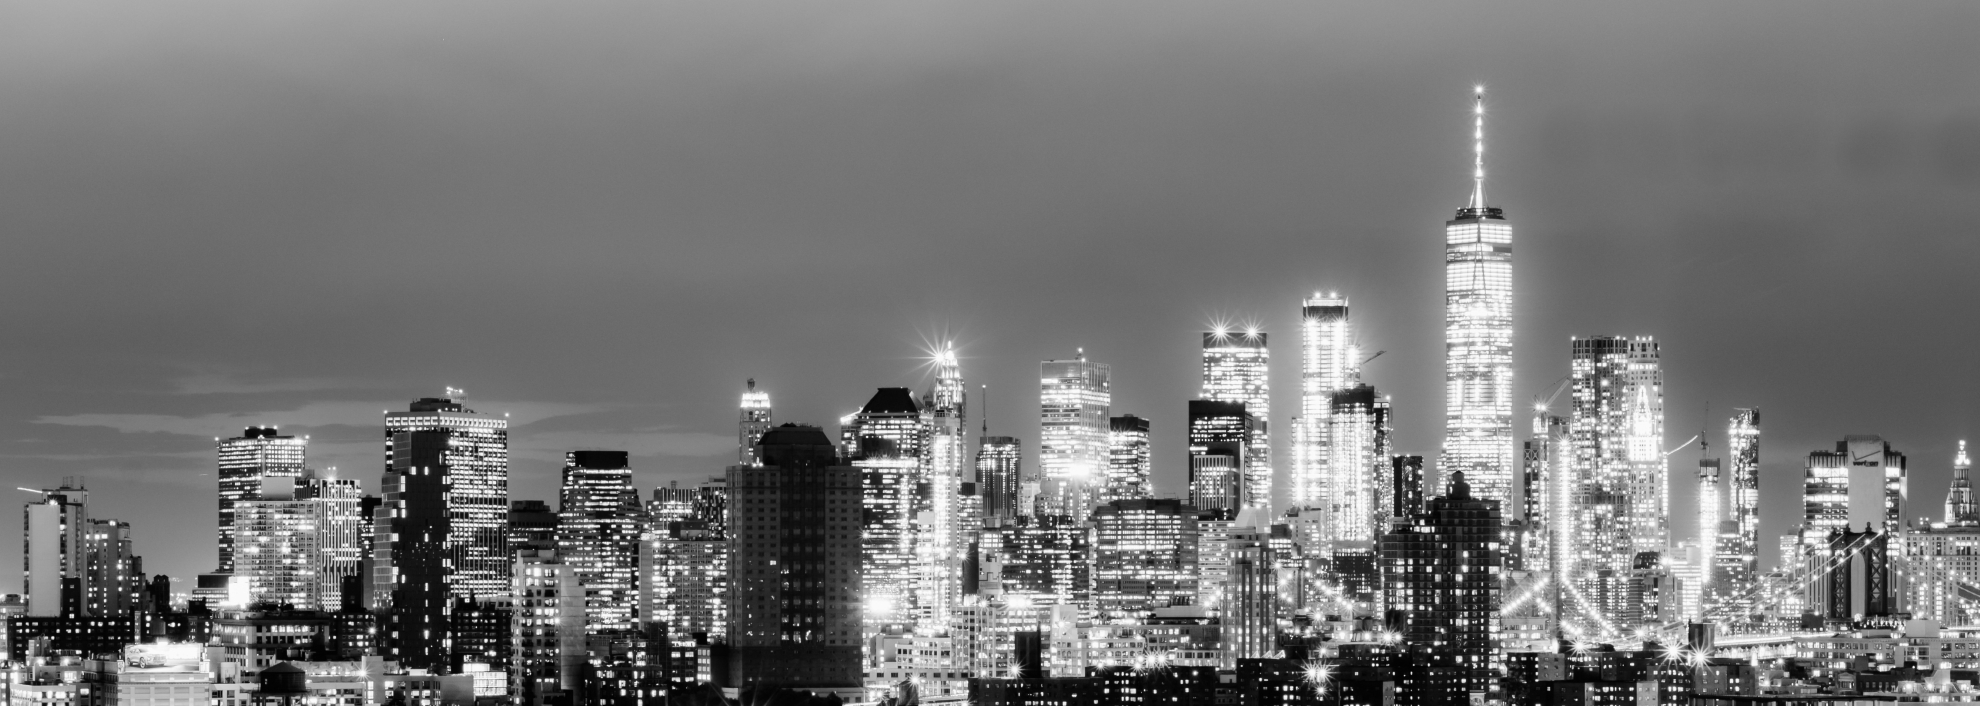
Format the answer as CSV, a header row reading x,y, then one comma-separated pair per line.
x,y
642,442
224,384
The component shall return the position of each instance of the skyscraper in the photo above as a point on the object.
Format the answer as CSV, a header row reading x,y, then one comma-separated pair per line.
x,y
276,545
341,532
939,554
887,440
1621,489
1235,369
1545,500
1478,336
1359,493
1961,508
413,569
1736,563
1127,460
1144,556
259,452
755,420
1219,433
684,578
1075,402
476,454
76,566
1250,602
1862,482
548,625
1441,586
794,609
999,461
598,529
1328,360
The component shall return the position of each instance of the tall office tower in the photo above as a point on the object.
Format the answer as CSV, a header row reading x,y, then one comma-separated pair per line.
x,y
1711,509
1736,563
1544,499
1128,471
548,626
1406,474
1359,493
1235,369
1144,556
413,564
711,506
794,576
532,524
887,441
939,549
671,504
1328,362
1042,559
244,460
1075,402
999,462
754,421
1960,506
684,578
598,528
275,545
1219,436
1478,337
1441,585
477,459
1862,482
1251,602
113,578
55,526
341,530
1620,485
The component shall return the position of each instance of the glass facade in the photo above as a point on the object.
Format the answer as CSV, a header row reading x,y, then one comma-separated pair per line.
x,y
1236,369
1478,338
598,532
259,452
1127,460
1075,402
1328,359
477,460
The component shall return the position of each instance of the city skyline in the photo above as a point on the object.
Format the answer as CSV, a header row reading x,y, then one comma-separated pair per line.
x,y
144,433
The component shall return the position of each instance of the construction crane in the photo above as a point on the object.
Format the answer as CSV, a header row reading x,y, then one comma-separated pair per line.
x,y
1559,387
1378,354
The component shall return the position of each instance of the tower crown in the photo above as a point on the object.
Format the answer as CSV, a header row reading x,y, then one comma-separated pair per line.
x,y
1476,208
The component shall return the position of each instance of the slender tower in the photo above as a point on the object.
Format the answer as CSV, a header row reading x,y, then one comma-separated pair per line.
x,y
754,421
1235,366
1327,361
940,549
1478,336
1960,507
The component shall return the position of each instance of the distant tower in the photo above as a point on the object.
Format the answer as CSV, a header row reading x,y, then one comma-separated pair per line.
x,y
476,454
1736,556
887,440
1360,492
598,528
1621,487
1075,401
755,420
1862,482
56,528
1711,507
1236,369
1218,432
794,579
1127,460
1441,581
940,552
1478,336
1250,601
999,461
259,452
1960,506
1327,365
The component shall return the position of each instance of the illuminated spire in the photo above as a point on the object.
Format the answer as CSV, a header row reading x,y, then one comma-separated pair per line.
x,y
1478,149
1961,506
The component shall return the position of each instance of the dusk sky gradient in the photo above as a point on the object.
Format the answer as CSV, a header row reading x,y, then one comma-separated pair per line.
x,y
601,218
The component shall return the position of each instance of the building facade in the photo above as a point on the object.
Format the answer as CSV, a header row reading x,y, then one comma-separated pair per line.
x,y
1075,401
1478,338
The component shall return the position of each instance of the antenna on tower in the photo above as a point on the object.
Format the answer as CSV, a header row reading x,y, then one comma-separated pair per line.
x,y
1478,148
986,409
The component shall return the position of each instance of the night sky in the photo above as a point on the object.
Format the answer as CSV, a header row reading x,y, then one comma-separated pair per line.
x,y
602,218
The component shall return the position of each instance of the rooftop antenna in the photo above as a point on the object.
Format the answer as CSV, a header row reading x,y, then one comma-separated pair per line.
x,y
1478,149
986,409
